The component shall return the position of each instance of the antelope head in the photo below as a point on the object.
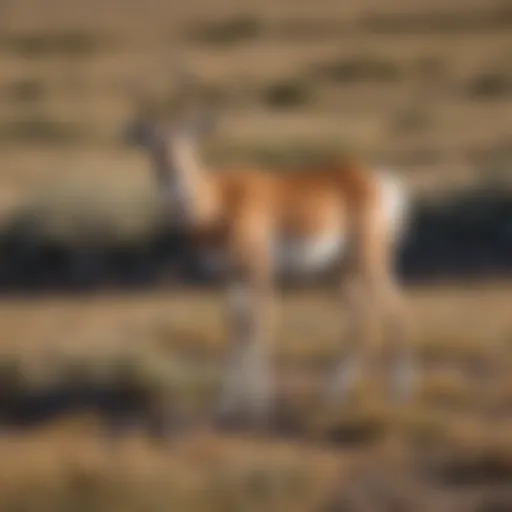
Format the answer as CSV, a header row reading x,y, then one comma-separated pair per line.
x,y
169,131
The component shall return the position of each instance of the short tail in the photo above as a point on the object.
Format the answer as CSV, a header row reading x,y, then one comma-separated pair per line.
x,y
397,204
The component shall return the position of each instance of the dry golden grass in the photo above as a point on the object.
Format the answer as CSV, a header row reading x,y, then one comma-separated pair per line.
x,y
65,467
454,436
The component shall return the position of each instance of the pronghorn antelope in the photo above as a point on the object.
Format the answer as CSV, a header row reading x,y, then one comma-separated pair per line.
x,y
261,224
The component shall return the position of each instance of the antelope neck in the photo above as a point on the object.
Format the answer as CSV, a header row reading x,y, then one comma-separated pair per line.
x,y
181,180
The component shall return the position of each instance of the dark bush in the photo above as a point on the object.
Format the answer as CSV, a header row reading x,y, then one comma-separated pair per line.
x,y
39,44
491,85
288,93
307,29
497,17
360,68
26,90
228,31
43,129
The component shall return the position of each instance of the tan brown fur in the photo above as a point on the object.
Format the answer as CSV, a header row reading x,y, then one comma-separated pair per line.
x,y
302,203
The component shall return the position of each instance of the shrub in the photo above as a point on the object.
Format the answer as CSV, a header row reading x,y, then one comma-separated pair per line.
x,y
26,90
491,85
360,68
498,17
39,44
227,31
40,128
288,93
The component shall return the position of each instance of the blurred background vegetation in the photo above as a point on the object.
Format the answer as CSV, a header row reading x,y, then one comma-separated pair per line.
x,y
422,88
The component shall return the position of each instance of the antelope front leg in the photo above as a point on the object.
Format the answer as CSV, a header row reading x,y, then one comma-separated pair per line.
x,y
246,384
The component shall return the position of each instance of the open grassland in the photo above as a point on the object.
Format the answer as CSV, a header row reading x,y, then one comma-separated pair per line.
x,y
451,447
425,87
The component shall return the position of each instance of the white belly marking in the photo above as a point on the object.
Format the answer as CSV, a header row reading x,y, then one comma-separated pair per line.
x,y
296,255
307,255
291,255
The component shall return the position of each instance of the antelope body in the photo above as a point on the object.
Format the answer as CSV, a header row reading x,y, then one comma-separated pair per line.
x,y
306,216
254,225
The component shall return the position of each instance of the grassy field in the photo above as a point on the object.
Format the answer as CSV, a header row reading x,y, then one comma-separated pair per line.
x,y
450,447
425,88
